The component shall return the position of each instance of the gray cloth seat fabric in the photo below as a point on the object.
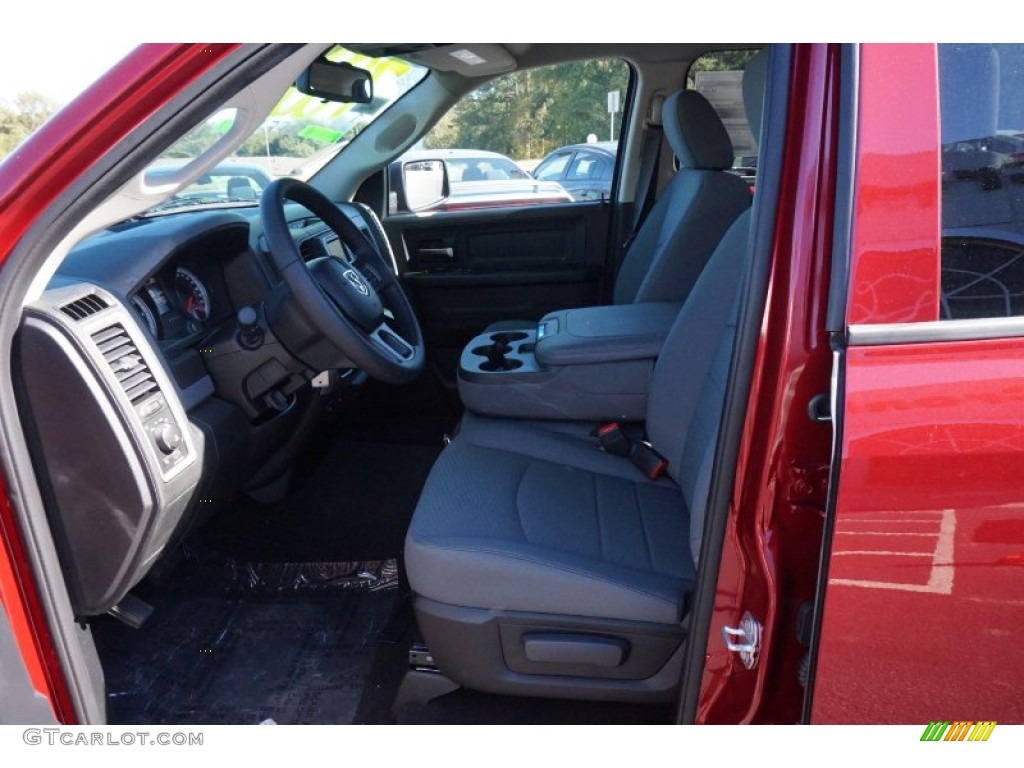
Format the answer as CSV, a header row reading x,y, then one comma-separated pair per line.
x,y
525,516
503,525
690,215
532,517
692,212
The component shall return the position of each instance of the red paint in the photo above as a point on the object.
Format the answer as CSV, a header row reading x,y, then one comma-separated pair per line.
x,y
895,239
31,179
769,558
931,475
19,599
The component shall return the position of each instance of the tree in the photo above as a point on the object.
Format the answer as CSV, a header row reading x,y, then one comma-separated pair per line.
x,y
18,120
720,61
528,113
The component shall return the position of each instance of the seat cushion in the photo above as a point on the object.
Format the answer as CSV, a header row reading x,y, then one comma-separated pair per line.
x,y
534,517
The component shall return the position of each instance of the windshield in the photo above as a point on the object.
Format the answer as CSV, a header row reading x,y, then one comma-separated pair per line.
x,y
301,135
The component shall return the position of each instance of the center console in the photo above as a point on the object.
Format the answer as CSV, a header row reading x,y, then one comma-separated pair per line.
x,y
590,364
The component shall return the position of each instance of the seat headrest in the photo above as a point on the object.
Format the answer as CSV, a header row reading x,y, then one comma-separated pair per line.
x,y
241,188
695,132
754,78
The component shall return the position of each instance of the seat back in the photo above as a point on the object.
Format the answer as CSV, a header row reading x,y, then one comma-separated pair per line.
x,y
692,212
687,391
684,402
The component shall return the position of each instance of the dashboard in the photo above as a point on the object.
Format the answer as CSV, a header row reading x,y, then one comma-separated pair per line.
x,y
144,391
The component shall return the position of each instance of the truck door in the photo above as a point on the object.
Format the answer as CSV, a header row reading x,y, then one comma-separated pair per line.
x,y
921,595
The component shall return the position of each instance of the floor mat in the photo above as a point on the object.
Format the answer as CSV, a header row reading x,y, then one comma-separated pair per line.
x,y
217,651
355,503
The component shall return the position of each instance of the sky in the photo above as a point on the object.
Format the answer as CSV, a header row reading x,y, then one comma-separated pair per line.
x,y
65,61
25,66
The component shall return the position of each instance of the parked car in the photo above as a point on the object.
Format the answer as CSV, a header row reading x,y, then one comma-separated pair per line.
x,y
795,497
475,179
585,170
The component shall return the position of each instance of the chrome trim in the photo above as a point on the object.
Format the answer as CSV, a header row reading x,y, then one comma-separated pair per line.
x,y
934,331
747,641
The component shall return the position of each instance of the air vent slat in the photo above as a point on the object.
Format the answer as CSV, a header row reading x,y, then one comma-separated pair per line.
x,y
116,348
83,307
108,333
136,394
135,379
127,365
129,369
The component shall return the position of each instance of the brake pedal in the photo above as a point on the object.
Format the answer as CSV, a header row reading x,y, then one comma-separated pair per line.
x,y
132,610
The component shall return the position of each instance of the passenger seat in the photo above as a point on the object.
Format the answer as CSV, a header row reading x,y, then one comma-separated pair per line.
x,y
544,566
691,214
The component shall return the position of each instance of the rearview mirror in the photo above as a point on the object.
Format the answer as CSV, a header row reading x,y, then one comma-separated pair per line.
x,y
336,81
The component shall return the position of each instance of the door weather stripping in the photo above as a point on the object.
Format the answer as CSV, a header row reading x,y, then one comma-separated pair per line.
x,y
744,639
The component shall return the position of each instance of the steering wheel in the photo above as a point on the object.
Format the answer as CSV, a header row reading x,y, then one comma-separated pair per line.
x,y
359,307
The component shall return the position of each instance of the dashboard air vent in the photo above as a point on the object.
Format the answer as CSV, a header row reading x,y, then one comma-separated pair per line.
x,y
79,309
125,361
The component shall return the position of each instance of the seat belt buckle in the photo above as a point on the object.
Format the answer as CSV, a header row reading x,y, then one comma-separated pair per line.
x,y
613,439
648,460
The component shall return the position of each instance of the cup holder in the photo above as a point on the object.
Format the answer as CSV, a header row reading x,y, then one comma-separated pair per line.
x,y
504,364
505,338
490,351
496,354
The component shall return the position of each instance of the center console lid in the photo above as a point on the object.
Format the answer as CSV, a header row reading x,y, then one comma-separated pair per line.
x,y
586,364
604,334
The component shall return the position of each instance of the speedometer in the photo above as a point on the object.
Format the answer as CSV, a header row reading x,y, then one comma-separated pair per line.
x,y
143,310
194,297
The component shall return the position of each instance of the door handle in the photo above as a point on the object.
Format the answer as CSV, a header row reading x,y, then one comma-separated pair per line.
x,y
448,253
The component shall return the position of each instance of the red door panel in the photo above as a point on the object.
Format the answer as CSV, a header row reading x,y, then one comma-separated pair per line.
x,y
925,594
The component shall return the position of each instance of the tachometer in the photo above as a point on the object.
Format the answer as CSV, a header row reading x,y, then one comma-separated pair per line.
x,y
194,297
143,310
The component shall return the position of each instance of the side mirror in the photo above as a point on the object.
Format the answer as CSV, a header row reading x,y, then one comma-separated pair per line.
x,y
336,81
425,183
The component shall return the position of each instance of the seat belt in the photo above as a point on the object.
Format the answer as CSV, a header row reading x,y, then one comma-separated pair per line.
x,y
614,440
650,153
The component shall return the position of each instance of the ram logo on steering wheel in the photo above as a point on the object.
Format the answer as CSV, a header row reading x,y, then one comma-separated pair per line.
x,y
357,282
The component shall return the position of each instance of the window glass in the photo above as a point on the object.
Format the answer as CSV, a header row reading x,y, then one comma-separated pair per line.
x,y
718,76
585,167
553,168
532,120
298,138
981,98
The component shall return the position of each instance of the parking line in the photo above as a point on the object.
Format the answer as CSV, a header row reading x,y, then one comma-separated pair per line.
x,y
940,578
